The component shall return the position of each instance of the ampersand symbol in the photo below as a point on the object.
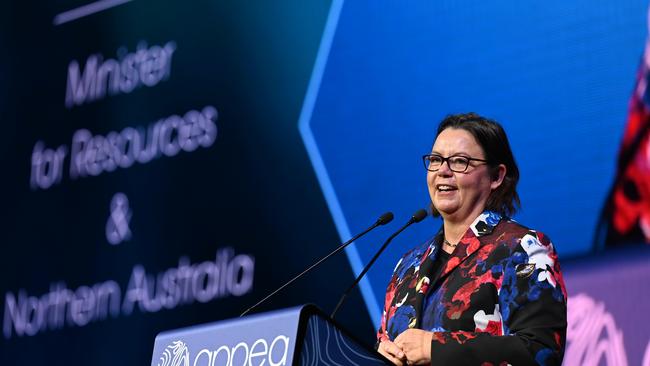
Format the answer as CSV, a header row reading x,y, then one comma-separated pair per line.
x,y
117,226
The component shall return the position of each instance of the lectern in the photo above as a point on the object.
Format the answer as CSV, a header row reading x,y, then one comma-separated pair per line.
x,y
295,336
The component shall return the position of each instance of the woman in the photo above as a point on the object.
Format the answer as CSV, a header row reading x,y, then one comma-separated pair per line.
x,y
485,290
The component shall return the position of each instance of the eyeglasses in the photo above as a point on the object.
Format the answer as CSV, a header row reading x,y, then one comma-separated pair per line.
x,y
458,164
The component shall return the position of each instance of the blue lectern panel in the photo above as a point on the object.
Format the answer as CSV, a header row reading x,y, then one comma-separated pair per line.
x,y
268,339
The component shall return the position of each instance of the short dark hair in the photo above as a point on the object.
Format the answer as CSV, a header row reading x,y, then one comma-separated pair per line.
x,y
493,140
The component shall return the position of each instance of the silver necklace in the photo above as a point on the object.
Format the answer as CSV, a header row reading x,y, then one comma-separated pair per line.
x,y
449,244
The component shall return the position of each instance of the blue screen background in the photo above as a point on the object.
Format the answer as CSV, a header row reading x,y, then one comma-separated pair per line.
x,y
557,76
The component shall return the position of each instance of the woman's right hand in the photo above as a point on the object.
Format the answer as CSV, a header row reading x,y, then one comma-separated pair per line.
x,y
392,352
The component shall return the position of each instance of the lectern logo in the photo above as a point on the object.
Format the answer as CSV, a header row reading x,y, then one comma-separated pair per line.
x,y
176,354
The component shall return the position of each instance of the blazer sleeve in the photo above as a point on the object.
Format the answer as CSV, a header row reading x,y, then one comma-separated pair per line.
x,y
381,332
532,302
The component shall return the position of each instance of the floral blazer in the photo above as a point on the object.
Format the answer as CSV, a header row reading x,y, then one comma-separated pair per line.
x,y
500,298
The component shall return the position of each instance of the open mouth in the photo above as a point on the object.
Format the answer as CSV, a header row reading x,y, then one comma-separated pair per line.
x,y
445,188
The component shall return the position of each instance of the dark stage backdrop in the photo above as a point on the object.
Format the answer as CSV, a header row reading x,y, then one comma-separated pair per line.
x,y
154,175
169,163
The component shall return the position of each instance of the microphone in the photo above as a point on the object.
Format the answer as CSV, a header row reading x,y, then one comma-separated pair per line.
x,y
382,220
418,216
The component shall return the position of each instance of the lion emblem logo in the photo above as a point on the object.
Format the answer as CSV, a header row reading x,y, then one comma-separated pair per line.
x,y
176,354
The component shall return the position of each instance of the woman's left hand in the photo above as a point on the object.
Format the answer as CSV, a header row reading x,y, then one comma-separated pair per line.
x,y
416,345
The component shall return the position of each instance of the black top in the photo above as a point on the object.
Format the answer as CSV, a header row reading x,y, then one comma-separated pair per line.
x,y
439,264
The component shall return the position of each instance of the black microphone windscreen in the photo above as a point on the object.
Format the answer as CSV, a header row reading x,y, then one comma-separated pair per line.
x,y
385,218
419,215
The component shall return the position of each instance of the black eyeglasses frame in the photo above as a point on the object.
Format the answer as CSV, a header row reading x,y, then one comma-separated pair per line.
x,y
425,160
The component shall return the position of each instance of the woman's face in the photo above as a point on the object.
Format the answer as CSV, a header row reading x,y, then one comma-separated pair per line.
x,y
461,196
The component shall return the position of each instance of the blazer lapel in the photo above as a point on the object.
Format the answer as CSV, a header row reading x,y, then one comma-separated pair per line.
x,y
471,241
424,280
